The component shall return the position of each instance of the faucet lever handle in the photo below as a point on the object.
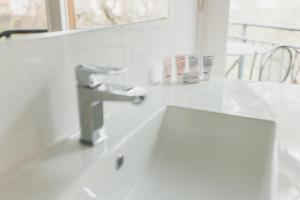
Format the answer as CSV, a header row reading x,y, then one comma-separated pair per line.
x,y
93,75
101,69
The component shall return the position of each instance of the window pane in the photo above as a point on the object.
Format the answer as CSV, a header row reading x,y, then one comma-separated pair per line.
x,y
256,31
22,14
92,13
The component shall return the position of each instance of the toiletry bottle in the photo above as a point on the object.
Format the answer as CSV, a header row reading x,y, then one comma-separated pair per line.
x,y
193,63
180,67
167,70
206,68
192,76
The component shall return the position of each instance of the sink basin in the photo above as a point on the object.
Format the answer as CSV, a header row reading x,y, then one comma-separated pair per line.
x,y
186,154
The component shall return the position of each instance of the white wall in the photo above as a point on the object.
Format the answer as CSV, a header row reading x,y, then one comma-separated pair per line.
x,y
214,27
38,103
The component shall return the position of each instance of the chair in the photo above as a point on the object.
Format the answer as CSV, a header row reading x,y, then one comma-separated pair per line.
x,y
277,65
296,67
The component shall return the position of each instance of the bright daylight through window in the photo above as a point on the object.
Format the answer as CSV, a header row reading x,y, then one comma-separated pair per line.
x,y
263,41
32,14
22,14
92,13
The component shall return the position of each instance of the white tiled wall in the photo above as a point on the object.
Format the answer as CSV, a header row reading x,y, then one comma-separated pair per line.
x,y
38,102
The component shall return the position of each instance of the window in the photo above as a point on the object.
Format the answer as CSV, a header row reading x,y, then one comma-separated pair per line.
x,y
93,13
263,42
56,15
22,14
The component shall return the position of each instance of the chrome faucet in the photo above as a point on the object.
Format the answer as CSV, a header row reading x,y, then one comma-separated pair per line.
x,y
92,91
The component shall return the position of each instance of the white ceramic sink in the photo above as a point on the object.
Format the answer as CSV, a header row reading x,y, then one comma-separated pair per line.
x,y
184,154
176,154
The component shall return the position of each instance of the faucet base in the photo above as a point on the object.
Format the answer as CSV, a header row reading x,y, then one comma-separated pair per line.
x,y
98,137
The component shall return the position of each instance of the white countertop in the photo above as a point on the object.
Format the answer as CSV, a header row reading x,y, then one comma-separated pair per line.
x,y
277,102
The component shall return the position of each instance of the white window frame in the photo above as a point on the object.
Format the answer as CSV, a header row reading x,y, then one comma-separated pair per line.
x,y
57,15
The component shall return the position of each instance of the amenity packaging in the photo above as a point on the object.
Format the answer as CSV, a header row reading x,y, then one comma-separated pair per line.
x,y
206,67
167,70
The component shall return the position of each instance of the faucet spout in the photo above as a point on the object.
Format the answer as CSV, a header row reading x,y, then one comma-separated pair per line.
x,y
107,92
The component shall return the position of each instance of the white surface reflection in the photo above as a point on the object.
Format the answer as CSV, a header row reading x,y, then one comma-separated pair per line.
x,y
289,173
90,193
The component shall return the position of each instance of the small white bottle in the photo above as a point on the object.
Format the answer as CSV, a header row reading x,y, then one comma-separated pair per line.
x,y
193,63
180,67
167,70
207,64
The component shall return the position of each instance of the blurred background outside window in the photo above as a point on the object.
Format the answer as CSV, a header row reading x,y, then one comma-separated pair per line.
x,y
264,41
93,13
22,14
32,14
